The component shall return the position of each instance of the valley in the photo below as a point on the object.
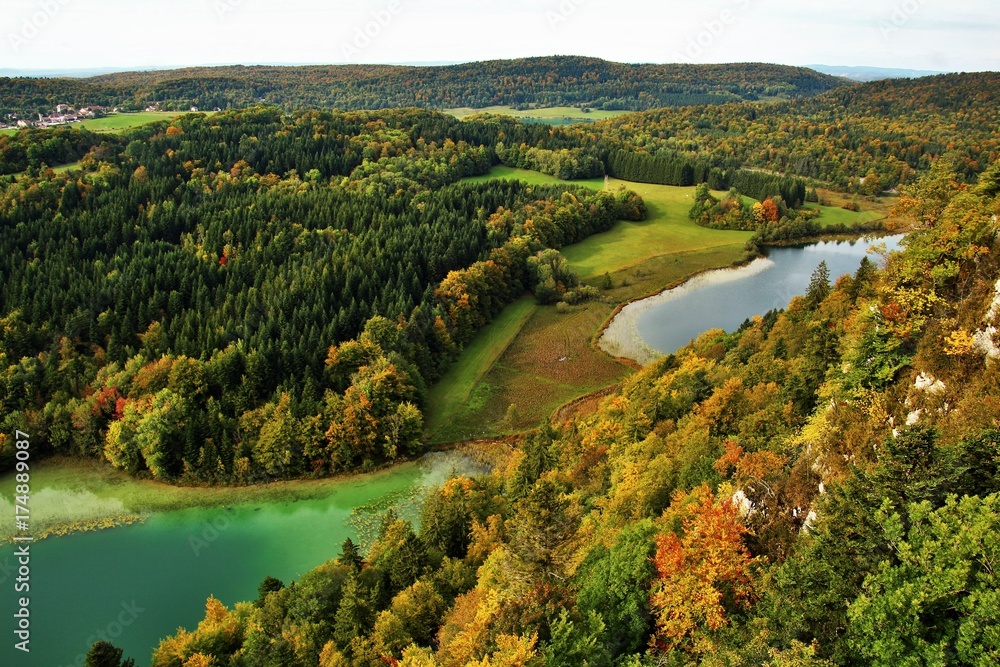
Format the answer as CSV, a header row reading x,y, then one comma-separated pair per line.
x,y
544,362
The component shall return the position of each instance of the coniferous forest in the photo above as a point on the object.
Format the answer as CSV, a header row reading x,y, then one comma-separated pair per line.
x,y
270,293
179,295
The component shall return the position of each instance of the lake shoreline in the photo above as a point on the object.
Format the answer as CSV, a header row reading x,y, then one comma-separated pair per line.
x,y
102,498
624,342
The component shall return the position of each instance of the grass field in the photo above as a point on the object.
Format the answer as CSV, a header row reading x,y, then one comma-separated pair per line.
x,y
831,215
124,121
549,362
531,177
560,115
666,230
452,393
63,168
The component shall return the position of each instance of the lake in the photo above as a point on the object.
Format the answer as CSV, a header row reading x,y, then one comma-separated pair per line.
x,y
723,299
136,584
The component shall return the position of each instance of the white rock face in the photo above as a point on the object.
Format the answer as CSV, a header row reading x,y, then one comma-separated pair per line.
x,y
929,383
810,521
743,503
913,417
994,310
984,343
984,338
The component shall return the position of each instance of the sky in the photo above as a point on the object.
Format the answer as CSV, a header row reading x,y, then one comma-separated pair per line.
x,y
959,35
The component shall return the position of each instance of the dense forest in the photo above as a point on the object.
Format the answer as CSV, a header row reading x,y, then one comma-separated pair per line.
x,y
249,295
546,82
817,488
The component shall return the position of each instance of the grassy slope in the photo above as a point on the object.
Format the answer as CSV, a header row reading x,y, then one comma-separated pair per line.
x,y
448,396
667,230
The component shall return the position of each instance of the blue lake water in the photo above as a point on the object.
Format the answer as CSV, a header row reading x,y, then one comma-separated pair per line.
x,y
724,299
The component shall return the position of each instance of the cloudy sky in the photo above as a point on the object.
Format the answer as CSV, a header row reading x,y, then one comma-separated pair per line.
x,y
959,35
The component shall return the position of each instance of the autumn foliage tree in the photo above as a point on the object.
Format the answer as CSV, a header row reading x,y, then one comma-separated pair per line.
x,y
704,573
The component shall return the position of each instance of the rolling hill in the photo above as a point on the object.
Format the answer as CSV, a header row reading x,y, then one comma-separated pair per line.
x,y
546,82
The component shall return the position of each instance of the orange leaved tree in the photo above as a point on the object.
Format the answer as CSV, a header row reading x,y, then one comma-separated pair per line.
x,y
703,572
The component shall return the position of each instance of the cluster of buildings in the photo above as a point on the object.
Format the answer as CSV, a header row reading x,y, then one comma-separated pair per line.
x,y
64,114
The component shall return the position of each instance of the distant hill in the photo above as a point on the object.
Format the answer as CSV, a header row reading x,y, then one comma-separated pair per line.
x,y
547,82
893,128
65,73
865,74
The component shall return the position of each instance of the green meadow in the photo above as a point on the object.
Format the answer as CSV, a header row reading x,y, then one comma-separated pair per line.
x,y
118,122
531,177
832,215
123,121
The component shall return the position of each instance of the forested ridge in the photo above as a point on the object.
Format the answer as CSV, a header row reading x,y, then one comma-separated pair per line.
x,y
886,132
817,488
248,296
864,138
546,82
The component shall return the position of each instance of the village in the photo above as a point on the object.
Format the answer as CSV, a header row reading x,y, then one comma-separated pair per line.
x,y
63,114
67,114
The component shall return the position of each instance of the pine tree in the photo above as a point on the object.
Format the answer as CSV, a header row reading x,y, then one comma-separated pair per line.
x,y
350,555
268,585
354,616
819,285
105,654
